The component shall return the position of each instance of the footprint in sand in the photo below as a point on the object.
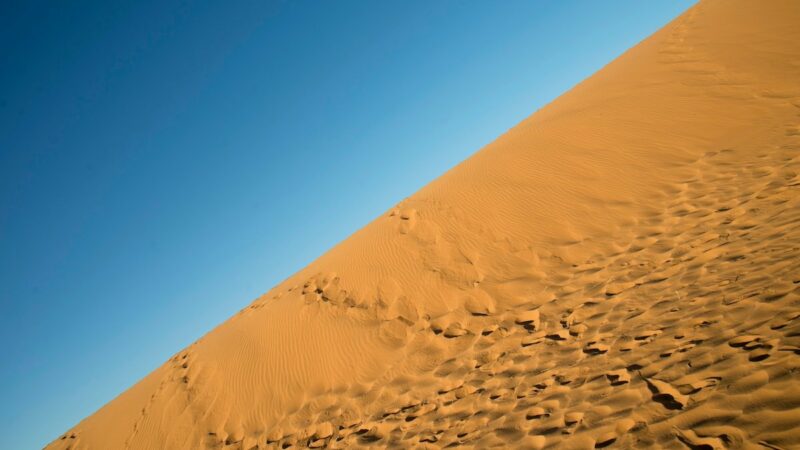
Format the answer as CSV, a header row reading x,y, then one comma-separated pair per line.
x,y
479,303
646,336
697,386
759,349
455,330
560,335
573,418
605,439
408,218
536,412
529,319
666,394
578,329
596,348
618,377
694,441
533,338
741,341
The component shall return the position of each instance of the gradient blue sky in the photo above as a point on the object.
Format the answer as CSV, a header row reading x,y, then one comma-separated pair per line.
x,y
162,163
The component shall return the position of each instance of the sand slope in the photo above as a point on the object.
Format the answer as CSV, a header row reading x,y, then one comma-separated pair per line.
x,y
621,269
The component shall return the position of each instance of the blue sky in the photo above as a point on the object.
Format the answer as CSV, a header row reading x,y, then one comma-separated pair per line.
x,y
164,163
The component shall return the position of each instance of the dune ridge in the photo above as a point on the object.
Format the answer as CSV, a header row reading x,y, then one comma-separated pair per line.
x,y
621,270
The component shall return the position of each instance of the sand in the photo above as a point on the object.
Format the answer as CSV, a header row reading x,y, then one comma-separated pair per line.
x,y
621,269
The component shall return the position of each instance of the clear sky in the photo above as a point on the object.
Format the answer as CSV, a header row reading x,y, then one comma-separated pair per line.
x,y
162,163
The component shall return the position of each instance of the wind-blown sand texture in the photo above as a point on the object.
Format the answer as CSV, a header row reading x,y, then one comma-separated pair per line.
x,y
621,269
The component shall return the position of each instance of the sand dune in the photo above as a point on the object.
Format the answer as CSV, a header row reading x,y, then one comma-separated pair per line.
x,y
621,269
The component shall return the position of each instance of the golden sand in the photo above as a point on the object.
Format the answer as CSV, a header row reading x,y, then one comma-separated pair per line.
x,y
621,269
